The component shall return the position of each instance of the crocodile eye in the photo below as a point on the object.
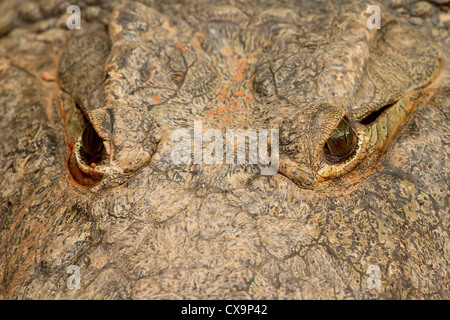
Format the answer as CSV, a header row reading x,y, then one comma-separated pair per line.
x,y
341,144
92,144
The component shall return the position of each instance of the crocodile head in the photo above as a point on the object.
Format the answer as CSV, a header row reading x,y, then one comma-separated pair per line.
x,y
143,187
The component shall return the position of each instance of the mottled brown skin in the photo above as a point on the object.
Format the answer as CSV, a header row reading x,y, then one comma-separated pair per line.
x,y
141,227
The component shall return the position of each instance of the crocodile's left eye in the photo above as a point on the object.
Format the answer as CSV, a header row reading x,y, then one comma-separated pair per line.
x,y
91,144
341,144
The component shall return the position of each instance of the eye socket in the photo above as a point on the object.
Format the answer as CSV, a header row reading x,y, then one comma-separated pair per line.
x,y
92,145
341,144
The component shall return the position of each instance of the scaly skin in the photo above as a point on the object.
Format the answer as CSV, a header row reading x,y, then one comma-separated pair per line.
x,y
140,226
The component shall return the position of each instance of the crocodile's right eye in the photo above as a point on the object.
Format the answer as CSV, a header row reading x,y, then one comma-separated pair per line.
x,y
341,144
